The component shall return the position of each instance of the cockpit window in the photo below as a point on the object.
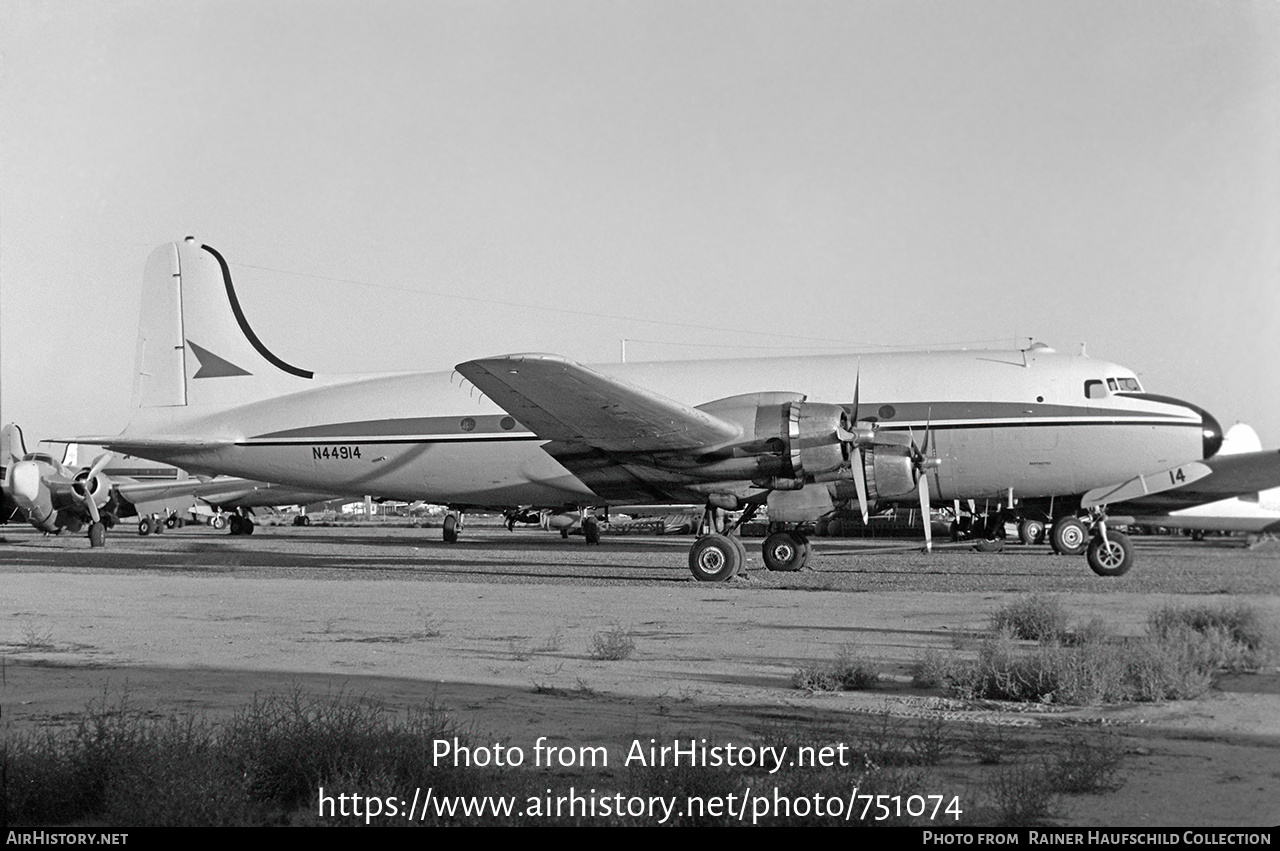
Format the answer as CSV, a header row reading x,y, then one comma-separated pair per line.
x,y
37,456
1129,385
1111,385
1094,390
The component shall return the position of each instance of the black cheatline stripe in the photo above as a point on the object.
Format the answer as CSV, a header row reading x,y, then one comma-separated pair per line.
x,y
330,441
1045,424
375,441
244,323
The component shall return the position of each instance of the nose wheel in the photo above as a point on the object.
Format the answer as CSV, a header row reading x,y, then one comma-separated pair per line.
x,y
1110,555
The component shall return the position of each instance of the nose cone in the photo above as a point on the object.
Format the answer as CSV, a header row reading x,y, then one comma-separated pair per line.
x,y
24,481
1212,433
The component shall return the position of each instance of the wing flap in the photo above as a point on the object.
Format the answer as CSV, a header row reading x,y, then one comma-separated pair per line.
x,y
559,399
1171,479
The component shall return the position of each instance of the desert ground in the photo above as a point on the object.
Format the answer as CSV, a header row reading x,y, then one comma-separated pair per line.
x,y
499,628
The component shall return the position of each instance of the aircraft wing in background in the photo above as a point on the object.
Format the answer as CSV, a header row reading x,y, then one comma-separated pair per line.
x,y
1229,476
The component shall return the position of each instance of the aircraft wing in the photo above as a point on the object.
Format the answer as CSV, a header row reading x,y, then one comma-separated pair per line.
x,y
558,399
1230,475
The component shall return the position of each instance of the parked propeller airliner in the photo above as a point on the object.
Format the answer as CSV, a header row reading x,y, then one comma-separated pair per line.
x,y
1061,436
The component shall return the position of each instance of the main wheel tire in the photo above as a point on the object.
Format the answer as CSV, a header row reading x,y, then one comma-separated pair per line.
x,y
97,534
591,529
450,529
989,545
1112,558
742,551
783,552
1069,536
171,522
246,526
714,558
236,525
1031,531
144,526
218,522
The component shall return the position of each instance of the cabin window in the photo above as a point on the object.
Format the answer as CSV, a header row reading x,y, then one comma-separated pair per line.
x,y
1094,390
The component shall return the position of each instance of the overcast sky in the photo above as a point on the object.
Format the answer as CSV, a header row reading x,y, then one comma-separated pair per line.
x,y
735,178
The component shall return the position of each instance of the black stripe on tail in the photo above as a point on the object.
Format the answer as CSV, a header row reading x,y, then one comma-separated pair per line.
x,y
244,323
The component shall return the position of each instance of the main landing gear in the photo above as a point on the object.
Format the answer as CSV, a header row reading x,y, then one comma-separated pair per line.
x,y
241,524
786,551
452,527
719,554
1108,552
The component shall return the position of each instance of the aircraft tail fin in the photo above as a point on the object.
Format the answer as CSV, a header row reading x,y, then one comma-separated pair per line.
x,y
12,446
1240,438
196,347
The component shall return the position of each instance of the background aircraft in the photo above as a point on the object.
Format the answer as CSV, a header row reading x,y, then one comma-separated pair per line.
x,y
57,495
52,495
1255,513
1061,435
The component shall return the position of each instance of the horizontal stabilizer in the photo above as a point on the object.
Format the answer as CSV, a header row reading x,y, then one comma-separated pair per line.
x,y
559,399
141,446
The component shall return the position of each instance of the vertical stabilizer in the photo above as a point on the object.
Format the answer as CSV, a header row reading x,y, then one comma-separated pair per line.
x,y
196,347
1240,438
160,381
12,446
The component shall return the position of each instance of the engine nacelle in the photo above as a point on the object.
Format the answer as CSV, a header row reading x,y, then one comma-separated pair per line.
x,y
786,441
96,488
890,467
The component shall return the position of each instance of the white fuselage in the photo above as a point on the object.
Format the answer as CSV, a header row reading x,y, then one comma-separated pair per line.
x,y
998,421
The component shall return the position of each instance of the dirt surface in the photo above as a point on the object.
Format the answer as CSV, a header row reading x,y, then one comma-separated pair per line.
x,y
500,628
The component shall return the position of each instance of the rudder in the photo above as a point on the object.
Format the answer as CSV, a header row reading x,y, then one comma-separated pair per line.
x,y
195,345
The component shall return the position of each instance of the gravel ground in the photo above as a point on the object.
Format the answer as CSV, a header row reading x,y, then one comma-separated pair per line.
x,y
488,554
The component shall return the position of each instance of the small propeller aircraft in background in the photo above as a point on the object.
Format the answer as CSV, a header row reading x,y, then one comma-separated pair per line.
x,y
55,496
58,496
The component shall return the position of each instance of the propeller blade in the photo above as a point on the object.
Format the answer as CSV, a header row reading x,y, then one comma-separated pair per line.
x,y
93,509
860,482
100,463
857,382
924,513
